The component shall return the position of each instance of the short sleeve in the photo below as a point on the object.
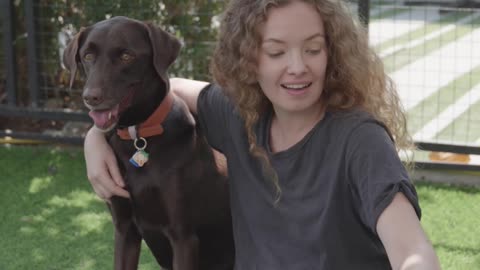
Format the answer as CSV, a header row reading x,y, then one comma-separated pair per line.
x,y
376,172
213,110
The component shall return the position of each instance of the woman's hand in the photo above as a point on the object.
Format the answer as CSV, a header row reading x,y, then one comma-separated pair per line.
x,y
102,168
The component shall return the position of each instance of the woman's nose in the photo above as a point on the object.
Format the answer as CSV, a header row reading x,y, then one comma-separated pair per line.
x,y
296,64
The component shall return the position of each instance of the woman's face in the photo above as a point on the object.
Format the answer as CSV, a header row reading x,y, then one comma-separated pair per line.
x,y
292,58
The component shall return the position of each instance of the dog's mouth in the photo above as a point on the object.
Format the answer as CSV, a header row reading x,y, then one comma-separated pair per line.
x,y
106,119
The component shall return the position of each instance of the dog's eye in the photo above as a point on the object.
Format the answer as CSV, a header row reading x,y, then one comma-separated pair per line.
x,y
126,57
88,57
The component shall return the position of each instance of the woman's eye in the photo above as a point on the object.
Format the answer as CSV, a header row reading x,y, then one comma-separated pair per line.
x,y
88,57
275,54
126,57
314,51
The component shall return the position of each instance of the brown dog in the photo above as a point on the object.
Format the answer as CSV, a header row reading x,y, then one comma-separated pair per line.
x,y
179,201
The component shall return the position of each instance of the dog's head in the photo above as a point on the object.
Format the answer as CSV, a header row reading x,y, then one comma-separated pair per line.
x,y
125,62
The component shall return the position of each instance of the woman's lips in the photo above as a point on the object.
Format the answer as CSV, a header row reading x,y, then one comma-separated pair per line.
x,y
296,88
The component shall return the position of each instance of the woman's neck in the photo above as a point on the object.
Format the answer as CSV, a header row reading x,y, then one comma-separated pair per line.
x,y
288,128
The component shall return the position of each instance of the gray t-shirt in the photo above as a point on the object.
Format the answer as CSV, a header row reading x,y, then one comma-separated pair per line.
x,y
335,184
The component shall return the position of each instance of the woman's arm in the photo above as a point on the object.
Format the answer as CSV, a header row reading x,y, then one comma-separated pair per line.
x,y
188,90
102,168
406,243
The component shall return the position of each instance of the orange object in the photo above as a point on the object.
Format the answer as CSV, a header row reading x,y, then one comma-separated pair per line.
x,y
449,157
153,125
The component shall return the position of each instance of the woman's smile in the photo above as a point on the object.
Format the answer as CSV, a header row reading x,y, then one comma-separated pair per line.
x,y
296,89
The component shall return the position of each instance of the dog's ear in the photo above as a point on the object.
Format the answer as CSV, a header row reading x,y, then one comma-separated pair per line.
x,y
165,48
70,56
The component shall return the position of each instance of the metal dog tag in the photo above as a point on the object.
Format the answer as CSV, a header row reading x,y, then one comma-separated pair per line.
x,y
140,157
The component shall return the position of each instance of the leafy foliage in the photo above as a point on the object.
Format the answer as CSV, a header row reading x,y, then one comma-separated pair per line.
x,y
191,21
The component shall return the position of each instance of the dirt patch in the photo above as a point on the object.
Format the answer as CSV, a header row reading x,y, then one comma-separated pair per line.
x,y
56,100
28,125
46,127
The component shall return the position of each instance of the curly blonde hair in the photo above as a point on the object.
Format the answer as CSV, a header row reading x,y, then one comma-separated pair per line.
x,y
355,75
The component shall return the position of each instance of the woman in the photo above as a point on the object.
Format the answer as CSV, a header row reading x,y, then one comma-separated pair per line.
x,y
310,125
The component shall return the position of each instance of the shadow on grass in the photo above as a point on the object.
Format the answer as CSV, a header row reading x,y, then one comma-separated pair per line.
x,y
458,249
448,187
427,190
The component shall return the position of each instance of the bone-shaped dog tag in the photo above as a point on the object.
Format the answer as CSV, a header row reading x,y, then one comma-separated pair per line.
x,y
140,157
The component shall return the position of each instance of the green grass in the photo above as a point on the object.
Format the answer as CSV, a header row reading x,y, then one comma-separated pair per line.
x,y
51,218
450,217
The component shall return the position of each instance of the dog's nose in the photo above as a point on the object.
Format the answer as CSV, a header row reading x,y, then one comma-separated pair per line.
x,y
92,97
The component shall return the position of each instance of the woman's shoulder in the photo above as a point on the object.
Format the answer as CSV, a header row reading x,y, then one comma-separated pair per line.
x,y
351,115
351,119
353,123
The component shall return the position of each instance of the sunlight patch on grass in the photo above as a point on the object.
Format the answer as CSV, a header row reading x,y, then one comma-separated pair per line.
x,y
52,231
34,222
76,199
38,255
28,230
38,218
86,264
91,222
43,215
39,183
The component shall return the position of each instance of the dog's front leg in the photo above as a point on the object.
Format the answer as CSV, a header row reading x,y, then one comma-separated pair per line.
x,y
185,252
127,238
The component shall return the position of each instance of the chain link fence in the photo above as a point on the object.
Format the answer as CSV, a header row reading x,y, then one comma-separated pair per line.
x,y
430,49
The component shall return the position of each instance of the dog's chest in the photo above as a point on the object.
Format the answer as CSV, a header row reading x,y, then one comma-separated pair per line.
x,y
162,160
161,180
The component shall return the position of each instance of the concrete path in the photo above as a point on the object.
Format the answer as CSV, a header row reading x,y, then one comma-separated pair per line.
x,y
430,130
423,77
434,70
396,48
404,22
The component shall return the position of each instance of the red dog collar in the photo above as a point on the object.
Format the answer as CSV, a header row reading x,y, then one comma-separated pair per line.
x,y
153,125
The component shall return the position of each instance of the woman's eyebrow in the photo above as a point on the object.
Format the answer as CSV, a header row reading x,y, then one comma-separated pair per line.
x,y
275,40
314,36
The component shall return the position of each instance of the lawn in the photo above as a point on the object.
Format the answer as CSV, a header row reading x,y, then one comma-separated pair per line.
x,y
52,220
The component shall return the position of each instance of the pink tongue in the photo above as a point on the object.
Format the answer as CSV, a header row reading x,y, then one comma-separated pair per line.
x,y
104,119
